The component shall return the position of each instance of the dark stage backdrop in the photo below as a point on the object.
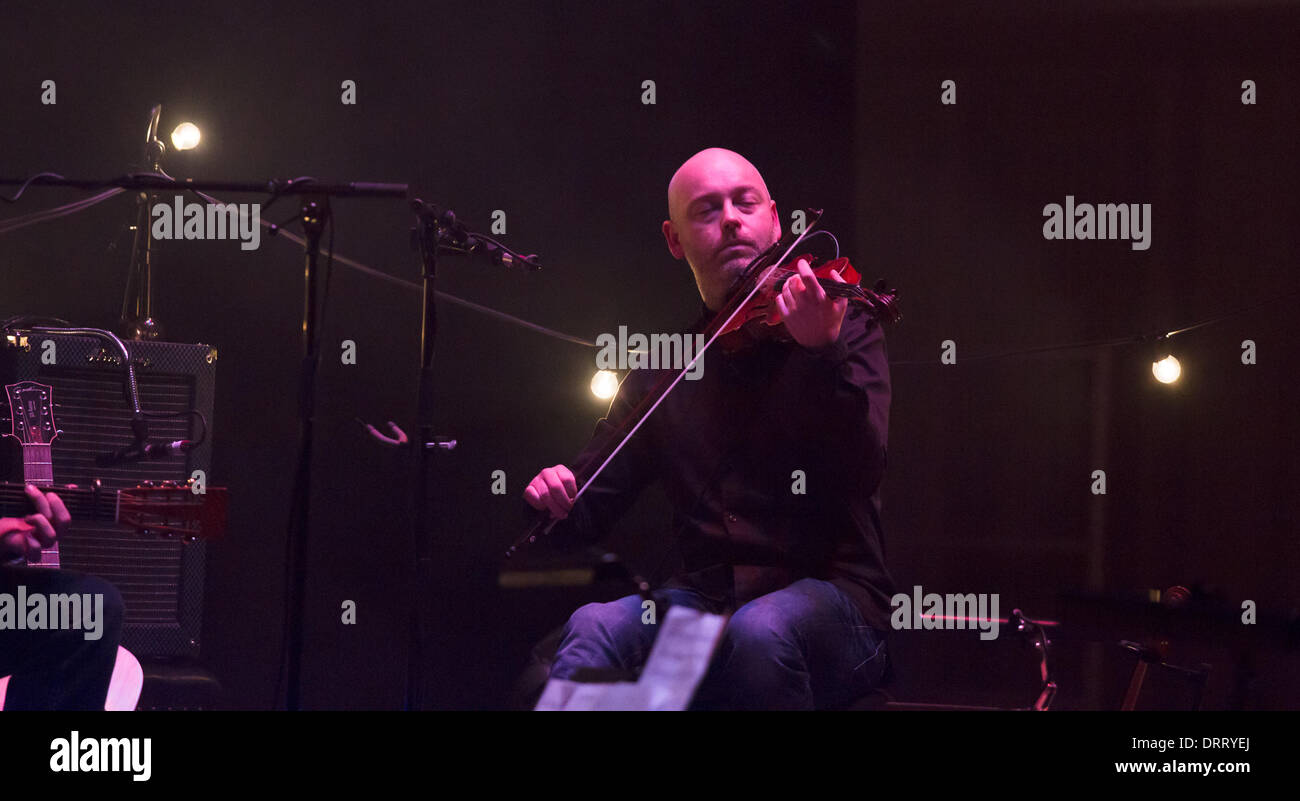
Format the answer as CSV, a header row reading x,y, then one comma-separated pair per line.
x,y
990,477
537,110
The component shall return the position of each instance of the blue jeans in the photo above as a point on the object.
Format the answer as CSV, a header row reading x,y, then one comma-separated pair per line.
x,y
801,647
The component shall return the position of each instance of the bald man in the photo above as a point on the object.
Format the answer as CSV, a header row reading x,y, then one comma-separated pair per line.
x,y
772,461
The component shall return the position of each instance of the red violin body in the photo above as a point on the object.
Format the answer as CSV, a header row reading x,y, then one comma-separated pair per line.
x,y
759,319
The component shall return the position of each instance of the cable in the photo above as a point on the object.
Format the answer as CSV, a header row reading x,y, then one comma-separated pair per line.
x,y
329,272
1138,339
822,232
1027,351
15,223
29,320
28,183
193,413
19,222
1230,315
413,286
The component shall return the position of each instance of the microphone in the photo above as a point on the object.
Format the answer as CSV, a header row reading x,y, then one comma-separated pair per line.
x,y
454,236
136,452
475,244
498,255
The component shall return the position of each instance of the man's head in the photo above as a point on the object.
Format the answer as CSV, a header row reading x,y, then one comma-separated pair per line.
x,y
720,216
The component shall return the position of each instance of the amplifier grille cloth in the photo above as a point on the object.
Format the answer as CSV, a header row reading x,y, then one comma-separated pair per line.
x,y
92,412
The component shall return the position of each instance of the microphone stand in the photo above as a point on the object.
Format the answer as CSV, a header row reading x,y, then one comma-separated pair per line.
x,y
426,235
137,311
434,232
315,212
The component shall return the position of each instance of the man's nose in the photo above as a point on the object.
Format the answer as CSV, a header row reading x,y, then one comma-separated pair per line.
x,y
730,217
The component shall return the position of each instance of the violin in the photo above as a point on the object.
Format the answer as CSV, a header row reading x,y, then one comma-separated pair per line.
x,y
760,319
749,316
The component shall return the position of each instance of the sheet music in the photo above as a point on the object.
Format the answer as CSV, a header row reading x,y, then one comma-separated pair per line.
x,y
677,664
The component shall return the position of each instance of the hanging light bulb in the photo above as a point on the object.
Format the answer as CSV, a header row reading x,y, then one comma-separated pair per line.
x,y
1166,370
604,384
186,136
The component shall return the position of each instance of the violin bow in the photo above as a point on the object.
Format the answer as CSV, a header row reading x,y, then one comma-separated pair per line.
x,y
813,215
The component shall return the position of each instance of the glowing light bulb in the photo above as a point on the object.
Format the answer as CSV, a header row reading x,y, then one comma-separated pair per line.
x,y
1167,370
186,136
604,384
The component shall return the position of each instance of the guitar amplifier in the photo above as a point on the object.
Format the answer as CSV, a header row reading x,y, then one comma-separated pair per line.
x,y
161,580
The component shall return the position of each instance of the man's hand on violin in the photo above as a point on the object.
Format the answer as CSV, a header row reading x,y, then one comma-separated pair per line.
x,y
552,490
811,317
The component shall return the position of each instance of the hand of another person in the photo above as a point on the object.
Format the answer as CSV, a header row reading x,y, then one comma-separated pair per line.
x,y
25,537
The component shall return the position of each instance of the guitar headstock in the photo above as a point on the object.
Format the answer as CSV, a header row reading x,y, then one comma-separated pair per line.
x,y
174,510
31,411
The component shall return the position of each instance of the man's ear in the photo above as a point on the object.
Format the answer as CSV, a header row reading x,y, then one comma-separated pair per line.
x,y
776,221
674,244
